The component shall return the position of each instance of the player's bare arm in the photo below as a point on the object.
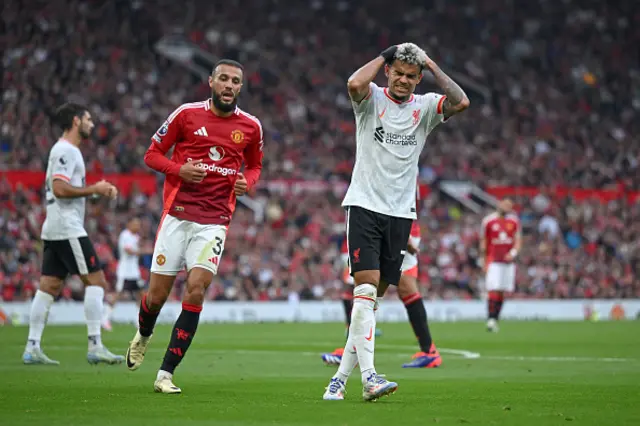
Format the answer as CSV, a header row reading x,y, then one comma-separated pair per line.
x,y
483,251
62,189
358,83
456,101
517,245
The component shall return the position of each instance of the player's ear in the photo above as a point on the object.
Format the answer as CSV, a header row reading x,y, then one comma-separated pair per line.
x,y
211,81
386,70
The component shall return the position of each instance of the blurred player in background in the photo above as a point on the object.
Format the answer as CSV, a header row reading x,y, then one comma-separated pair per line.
x,y
428,356
210,141
67,248
392,125
128,274
500,243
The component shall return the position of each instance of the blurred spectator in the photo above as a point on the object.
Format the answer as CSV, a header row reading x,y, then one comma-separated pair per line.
x,y
564,97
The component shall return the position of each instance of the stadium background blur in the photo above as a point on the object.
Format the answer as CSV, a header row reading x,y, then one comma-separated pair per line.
x,y
555,90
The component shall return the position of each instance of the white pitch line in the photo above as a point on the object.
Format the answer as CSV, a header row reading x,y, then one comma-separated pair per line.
x,y
558,359
463,353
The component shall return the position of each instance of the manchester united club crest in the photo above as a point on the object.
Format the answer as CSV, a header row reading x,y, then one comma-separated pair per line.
x,y
160,260
237,136
509,226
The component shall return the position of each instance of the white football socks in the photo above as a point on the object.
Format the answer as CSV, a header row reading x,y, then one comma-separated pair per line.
x,y
93,306
38,317
363,327
348,361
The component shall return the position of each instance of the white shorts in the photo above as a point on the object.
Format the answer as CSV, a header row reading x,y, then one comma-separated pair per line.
x,y
181,243
346,272
410,261
501,277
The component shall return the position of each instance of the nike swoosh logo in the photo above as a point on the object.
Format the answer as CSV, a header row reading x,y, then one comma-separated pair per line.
x,y
382,113
370,334
129,363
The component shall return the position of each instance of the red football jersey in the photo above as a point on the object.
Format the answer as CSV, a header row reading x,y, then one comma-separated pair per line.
x,y
500,235
222,143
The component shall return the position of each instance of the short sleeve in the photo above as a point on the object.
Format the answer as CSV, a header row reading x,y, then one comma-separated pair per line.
x,y
433,112
63,164
170,132
368,103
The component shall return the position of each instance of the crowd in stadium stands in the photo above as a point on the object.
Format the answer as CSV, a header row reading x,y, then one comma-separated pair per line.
x,y
561,107
570,250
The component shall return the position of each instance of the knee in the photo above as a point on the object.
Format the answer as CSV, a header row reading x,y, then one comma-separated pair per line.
x,y
96,279
367,277
156,297
50,285
406,289
195,292
365,292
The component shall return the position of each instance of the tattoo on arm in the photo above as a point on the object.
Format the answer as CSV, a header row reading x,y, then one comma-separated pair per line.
x,y
455,94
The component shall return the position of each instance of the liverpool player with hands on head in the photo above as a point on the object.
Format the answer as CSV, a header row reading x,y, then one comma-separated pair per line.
x,y
392,125
67,247
211,140
500,243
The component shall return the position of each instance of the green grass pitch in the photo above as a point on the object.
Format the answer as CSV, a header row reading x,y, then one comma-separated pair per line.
x,y
531,373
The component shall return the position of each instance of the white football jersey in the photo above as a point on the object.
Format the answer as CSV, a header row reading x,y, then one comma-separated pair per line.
x,y
65,216
128,264
389,138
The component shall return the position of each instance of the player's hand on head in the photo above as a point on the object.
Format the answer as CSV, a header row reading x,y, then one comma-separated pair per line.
x,y
389,53
190,172
240,187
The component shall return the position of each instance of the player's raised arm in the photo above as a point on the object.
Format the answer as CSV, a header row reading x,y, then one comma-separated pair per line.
x,y
162,141
456,101
358,83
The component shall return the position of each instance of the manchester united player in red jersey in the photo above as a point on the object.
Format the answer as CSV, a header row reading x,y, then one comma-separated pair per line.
x,y
500,243
211,140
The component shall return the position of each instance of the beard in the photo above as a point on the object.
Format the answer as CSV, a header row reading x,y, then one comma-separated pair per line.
x,y
84,133
221,105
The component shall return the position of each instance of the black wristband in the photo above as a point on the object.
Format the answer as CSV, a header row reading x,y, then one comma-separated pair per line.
x,y
389,53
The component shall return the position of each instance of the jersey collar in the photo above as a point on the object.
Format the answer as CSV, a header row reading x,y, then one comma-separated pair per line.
x,y
386,92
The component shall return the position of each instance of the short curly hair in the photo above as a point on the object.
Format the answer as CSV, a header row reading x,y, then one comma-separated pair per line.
x,y
411,54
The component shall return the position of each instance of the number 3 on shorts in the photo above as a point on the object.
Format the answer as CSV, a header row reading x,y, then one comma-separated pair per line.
x,y
217,246
209,245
